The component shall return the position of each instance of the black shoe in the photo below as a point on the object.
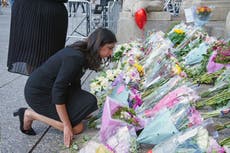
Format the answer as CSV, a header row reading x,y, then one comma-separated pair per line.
x,y
20,113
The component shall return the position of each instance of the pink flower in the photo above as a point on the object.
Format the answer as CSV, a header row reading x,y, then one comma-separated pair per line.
x,y
194,116
215,147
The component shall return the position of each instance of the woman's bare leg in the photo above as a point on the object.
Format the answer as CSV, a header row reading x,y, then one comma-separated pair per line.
x,y
30,116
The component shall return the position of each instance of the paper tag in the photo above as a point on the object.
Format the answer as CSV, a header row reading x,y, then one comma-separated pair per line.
x,y
189,15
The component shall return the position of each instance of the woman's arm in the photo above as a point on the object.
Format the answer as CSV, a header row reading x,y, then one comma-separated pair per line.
x,y
67,127
69,69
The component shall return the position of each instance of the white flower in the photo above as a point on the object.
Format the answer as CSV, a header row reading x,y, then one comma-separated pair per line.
x,y
202,138
110,75
95,87
104,84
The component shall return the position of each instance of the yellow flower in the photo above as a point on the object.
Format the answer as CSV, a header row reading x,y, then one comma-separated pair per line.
x,y
179,31
177,69
201,10
139,68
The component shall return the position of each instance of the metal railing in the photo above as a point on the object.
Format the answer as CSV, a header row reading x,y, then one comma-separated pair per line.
x,y
81,25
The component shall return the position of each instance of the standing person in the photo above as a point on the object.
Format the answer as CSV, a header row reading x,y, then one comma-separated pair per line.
x,y
38,30
11,2
72,4
1,7
53,91
82,6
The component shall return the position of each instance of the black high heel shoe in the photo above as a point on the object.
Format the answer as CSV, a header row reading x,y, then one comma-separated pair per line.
x,y
20,113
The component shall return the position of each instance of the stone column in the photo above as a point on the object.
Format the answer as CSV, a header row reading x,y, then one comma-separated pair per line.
x,y
127,28
228,25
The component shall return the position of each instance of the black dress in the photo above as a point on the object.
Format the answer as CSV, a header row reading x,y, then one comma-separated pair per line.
x,y
38,30
57,81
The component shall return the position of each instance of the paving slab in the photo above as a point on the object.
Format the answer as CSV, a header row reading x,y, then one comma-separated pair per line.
x,y
53,141
12,140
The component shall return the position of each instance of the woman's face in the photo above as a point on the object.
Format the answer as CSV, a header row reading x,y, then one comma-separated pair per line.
x,y
106,50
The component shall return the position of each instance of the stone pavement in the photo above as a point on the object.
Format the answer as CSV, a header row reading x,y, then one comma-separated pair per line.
x,y
12,140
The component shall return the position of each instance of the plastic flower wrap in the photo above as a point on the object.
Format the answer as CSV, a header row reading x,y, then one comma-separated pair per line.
x,y
195,139
154,42
182,52
191,33
164,67
159,92
120,93
179,94
167,122
157,47
195,56
123,118
123,141
158,129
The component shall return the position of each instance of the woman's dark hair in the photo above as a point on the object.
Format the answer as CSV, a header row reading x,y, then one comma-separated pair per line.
x,y
92,44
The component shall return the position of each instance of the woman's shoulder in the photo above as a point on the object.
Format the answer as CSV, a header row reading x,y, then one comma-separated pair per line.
x,y
68,51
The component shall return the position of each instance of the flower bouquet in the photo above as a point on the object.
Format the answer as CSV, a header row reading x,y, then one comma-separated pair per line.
x,y
177,36
202,15
222,82
218,100
168,122
220,57
123,141
115,116
180,94
158,93
195,139
101,85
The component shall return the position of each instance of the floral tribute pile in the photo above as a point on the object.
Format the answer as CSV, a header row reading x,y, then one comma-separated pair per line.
x,y
152,95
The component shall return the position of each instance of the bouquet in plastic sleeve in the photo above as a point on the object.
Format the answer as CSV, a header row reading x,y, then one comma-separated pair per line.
x,y
123,141
167,122
194,139
182,93
160,47
153,42
202,15
159,92
177,36
115,116
195,56
164,67
220,57
186,33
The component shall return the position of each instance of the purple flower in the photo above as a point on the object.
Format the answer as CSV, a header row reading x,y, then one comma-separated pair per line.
x,y
118,80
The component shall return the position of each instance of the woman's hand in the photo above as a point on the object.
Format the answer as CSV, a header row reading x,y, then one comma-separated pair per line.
x,y
68,135
67,127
